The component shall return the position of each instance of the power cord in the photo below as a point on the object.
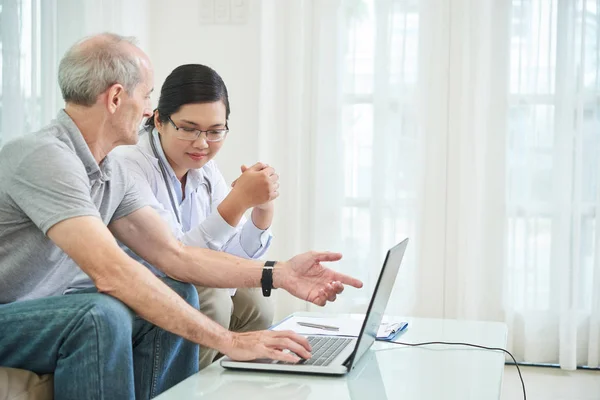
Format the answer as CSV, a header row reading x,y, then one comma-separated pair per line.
x,y
468,345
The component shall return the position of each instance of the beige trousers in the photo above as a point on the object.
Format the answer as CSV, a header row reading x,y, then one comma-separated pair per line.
x,y
248,310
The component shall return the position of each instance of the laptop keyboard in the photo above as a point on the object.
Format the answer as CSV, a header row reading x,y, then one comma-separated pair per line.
x,y
324,349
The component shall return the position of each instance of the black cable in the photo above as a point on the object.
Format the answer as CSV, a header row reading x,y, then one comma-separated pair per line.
x,y
468,345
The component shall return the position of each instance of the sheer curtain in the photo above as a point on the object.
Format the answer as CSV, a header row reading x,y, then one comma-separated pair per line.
x,y
27,66
553,267
34,34
368,142
470,126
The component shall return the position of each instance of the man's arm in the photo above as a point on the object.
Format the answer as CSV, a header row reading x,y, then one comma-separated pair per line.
x,y
87,241
90,244
147,235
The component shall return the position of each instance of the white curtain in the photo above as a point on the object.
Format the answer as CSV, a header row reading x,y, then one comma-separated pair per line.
x,y
34,34
553,139
470,126
27,64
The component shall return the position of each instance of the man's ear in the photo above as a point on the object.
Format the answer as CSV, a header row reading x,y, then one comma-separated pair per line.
x,y
115,97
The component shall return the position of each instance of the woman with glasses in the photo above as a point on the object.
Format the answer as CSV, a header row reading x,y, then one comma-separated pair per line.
x,y
173,164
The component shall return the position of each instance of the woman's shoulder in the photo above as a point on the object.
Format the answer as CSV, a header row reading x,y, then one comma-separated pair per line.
x,y
136,162
135,154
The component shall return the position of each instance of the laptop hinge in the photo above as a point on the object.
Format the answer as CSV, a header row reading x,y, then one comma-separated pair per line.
x,y
348,360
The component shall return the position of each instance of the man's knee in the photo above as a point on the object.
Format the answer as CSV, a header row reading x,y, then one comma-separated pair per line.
x,y
110,318
187,291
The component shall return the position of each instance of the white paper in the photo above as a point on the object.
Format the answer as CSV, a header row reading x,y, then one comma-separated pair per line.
x,y
347,326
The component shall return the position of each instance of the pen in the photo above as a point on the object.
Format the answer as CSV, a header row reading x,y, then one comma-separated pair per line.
x,y
319,326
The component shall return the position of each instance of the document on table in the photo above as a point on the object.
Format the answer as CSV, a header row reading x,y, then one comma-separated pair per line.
x,y
346,326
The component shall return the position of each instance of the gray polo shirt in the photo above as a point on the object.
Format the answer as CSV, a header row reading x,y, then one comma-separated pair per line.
x,y
45,178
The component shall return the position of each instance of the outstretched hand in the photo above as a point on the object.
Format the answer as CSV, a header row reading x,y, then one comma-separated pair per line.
x,y
304,277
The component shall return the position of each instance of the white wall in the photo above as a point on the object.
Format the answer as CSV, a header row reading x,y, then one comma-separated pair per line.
x,y
177,36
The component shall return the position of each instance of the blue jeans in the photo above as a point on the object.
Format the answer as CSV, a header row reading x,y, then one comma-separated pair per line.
x,y
95,345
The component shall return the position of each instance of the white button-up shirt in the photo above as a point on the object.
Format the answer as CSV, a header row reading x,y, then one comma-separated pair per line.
x,y
201,224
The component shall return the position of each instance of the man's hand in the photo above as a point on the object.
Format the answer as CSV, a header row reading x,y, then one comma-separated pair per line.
x,y
304,277
267,344
257,186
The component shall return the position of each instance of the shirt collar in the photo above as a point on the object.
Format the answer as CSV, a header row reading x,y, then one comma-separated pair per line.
x,y
162,158
94,171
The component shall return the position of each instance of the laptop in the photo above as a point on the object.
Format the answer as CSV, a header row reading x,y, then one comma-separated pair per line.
x,y
337,355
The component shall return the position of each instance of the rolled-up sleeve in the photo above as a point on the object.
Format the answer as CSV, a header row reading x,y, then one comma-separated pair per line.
x,y
214,233
254,241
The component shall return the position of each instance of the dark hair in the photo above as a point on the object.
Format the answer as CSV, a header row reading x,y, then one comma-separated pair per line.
x,y
189,84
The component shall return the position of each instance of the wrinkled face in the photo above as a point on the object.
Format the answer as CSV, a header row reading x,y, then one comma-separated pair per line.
x,y
134,107
183,154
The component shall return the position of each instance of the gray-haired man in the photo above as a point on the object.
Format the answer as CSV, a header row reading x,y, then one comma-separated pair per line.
x,y
120,332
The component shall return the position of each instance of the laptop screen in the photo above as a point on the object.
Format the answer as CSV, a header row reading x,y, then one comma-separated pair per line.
x,y
379,300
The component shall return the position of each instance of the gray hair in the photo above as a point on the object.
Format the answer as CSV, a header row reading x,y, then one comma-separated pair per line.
x,y
88,69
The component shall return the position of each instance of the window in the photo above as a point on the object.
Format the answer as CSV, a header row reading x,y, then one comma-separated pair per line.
x,y
379,113
553,149
27,91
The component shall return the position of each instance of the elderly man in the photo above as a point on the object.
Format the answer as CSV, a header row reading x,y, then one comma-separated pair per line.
x,y
71,301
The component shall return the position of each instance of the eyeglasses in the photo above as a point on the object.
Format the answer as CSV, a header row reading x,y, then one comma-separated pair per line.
x,y
191,134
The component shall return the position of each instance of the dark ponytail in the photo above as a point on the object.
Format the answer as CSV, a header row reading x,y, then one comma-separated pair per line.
x,y
189,84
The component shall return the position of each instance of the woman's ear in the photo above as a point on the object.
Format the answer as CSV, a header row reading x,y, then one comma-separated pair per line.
x,y
157,122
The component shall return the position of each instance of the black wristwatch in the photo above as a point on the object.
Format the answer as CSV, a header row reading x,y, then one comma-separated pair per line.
x,y
266,281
